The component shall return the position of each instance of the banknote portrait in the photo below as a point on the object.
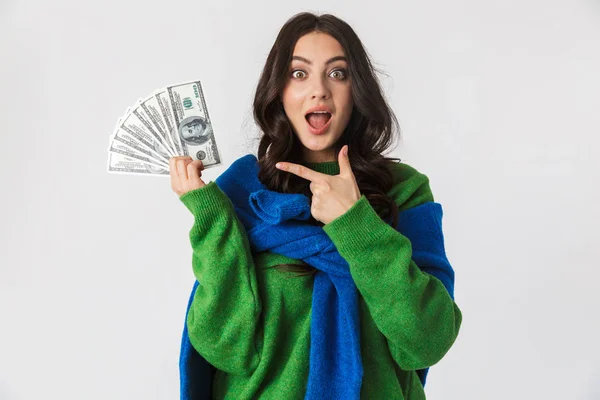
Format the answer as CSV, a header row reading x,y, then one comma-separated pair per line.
x,y
194,130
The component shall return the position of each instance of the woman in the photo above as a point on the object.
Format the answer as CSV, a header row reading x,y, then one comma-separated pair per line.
x,y
320,264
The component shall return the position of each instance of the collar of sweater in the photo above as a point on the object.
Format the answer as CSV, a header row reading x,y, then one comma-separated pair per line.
x,y
327,167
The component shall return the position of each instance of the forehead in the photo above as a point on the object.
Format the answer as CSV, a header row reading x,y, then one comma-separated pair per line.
x,y
318,46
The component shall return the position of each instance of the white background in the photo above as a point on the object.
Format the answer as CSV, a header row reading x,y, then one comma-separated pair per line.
x,y
499,103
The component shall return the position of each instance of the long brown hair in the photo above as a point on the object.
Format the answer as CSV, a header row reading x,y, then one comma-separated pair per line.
x,y
370,131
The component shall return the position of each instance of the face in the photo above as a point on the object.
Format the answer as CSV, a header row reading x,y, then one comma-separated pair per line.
x,y
193,129
318,77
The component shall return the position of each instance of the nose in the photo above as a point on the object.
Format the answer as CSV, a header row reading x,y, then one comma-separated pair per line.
x,y
320,89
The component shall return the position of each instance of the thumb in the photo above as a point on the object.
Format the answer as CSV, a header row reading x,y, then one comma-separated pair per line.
x,y
344,162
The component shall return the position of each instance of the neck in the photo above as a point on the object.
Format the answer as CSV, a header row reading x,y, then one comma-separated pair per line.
x,y
314,157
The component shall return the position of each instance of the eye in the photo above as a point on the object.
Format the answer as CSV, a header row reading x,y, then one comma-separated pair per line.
x,y
338,74
298,73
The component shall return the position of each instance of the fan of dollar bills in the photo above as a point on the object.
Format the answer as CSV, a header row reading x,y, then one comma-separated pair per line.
x,y
171,122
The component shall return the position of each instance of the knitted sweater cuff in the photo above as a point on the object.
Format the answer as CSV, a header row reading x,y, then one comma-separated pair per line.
x,y
206,203
354,231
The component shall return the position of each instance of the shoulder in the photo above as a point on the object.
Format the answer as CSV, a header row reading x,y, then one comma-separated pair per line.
x,y
241,169
411,187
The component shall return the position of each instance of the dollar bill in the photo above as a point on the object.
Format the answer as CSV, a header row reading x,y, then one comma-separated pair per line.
x,y
121,164
162,97
173,121
123,143
132,124
119,148
192,123
150,114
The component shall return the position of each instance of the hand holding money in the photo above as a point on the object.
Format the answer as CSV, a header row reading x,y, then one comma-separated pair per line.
x,y
185,174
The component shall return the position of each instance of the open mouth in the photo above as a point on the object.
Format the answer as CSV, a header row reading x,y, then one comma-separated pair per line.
x,y
318,120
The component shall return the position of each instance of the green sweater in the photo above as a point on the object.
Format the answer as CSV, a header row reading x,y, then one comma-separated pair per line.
x,y
253,322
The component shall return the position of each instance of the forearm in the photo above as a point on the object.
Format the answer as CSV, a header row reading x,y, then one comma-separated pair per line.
x,y
411,308
223,317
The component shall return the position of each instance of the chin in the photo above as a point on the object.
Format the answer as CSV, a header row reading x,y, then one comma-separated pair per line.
x,y
316,143
321,146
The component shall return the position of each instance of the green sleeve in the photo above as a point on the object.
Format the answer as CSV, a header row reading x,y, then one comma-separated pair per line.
x,y
411,308
223,318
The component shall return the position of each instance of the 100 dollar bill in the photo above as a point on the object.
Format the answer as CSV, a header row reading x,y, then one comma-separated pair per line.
x,y
121,164
193,129
125,144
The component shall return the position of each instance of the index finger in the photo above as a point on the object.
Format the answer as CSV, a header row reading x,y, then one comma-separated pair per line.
x,y
173,160
301,171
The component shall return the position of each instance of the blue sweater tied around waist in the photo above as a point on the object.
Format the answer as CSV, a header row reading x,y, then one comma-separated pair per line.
x,y
274,222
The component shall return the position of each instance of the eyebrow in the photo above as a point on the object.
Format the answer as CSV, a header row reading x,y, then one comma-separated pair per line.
x,y
333,59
